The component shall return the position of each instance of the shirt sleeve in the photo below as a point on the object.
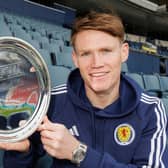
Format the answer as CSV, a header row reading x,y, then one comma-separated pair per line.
x,y
14,159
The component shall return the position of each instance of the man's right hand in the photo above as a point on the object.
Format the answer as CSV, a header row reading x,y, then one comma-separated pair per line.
x,y
21,146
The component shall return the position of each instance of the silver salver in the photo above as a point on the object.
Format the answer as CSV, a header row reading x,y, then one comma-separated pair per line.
x,y
24,89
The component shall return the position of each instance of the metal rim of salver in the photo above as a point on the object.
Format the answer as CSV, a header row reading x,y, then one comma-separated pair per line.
x,y
32,90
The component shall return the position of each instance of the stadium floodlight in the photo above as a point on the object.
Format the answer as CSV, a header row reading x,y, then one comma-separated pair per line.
x,y
24,89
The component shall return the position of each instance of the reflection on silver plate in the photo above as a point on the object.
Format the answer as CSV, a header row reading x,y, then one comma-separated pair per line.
x,y
24,89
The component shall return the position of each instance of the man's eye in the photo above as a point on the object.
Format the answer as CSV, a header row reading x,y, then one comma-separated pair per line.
x,y
106,52
85,54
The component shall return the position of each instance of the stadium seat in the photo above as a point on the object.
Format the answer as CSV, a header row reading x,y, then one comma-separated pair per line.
x,y
138,78
56,35
164,85
58,75
59,43
165,102
67,49
65,59
152,85
34,43
4,30
46,56
52,48
35,35
124,67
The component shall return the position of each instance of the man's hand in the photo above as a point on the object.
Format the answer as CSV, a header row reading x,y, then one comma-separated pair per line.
x,y
57,140
21,146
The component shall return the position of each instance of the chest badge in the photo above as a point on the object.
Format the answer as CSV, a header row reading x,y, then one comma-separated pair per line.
x,y
124,134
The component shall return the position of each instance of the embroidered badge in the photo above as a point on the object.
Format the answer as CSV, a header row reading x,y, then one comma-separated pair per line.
x,y
124,134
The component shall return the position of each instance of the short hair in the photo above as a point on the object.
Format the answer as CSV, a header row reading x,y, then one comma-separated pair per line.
x,y
106,22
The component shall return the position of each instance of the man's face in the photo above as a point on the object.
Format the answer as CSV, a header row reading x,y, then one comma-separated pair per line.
x,y
99,56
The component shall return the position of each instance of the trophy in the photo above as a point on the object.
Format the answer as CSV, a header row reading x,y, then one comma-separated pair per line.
x,y
24,89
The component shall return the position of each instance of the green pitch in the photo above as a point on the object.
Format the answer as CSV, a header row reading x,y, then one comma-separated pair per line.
x,y
8,110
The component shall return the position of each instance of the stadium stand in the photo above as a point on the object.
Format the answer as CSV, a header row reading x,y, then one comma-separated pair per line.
x,y
51,40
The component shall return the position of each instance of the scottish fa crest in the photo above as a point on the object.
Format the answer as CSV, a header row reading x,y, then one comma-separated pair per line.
x,y
124,134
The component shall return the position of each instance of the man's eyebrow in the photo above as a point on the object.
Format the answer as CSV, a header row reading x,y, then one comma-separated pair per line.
x,y
83,50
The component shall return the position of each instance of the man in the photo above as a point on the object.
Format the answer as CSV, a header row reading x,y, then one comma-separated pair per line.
x,y
100,119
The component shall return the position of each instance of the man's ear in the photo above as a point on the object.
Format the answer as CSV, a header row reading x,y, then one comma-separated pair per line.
x,y
124,52
74,58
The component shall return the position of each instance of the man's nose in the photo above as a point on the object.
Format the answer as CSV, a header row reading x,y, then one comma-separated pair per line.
x,y
97,60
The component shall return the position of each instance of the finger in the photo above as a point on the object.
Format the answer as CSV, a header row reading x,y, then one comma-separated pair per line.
x,y
52,152
51,147
32,69
46,141
48,125
53,135
22,122
10,146
44,122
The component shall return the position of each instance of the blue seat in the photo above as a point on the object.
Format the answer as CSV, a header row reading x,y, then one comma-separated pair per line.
x,y
46,56
164,85
138,78
58,75
152,85
165,103
65,59
124,67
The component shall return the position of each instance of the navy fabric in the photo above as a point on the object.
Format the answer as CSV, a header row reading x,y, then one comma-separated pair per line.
x,y
129,133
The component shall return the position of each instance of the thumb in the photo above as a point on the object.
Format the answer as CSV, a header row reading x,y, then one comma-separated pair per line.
x,y
46,120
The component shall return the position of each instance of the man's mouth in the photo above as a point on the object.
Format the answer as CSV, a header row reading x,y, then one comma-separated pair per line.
x,y
98,74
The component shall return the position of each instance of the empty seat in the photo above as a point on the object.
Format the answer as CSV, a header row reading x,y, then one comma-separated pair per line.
x,y
46,56
4,30
34,43
124,67
67,49
164,85
65,59
59,43
138,78
165,103
58,74
152,85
